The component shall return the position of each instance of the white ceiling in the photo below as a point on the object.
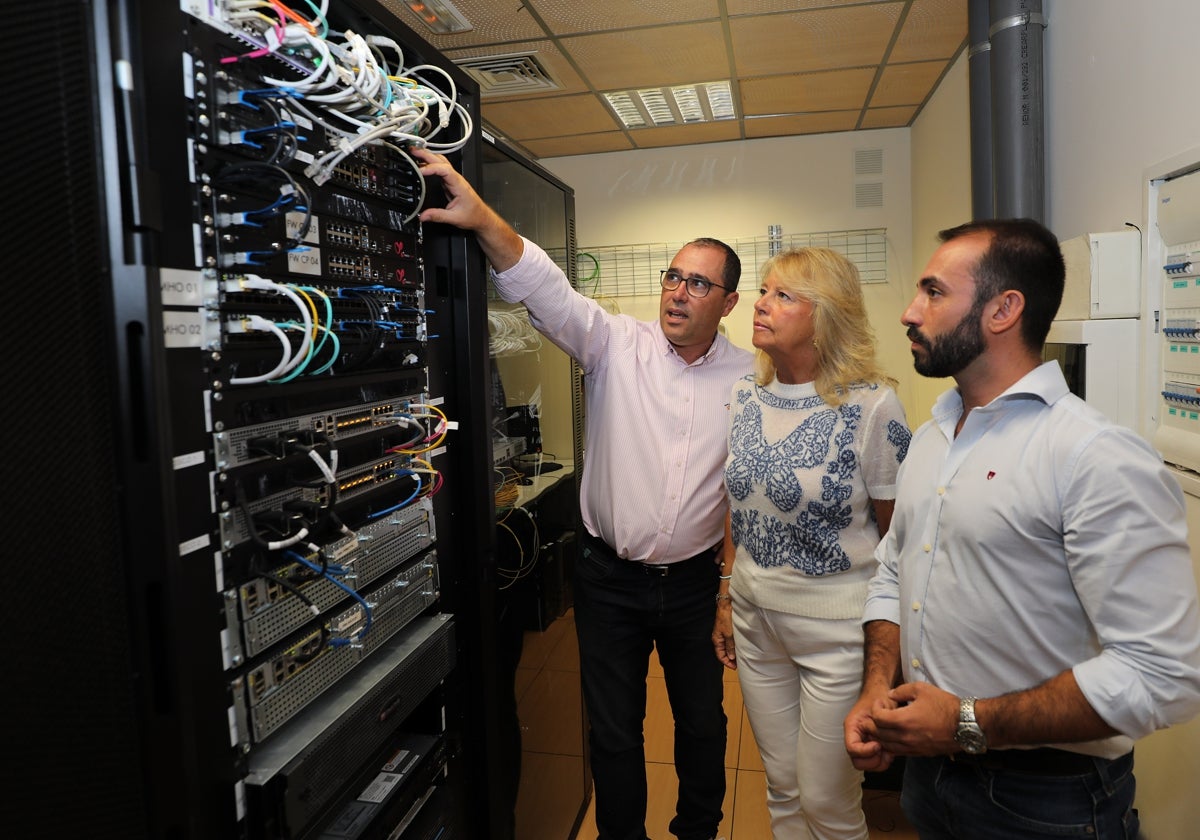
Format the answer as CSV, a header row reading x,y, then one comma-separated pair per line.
x,y
796,66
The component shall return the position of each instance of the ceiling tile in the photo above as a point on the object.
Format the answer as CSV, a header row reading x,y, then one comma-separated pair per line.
x,y
822,39
569,17
797,66
683,135
692,52
492,22
802,124
888,117
832,90
906,84
550,117
580,144
758,7
933,29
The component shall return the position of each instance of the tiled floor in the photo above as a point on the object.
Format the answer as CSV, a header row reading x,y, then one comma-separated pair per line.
x,y
548,695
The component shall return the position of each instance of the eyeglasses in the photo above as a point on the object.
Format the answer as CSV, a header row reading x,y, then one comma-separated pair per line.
x,y
697,287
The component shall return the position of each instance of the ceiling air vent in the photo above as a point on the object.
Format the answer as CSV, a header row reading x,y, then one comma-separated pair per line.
x,y
509,75
678,105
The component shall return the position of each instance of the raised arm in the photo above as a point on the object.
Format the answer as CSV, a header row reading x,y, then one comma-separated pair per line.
x,y
465,209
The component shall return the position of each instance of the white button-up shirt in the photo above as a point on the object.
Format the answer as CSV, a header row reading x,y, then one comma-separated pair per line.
x,y
1043,538
656,426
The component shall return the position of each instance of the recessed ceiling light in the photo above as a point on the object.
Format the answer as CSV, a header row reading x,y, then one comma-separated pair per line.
x,y
678,105
439,15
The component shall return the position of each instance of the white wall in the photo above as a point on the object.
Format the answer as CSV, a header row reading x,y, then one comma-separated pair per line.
x,y
1120,97
735,191
941,198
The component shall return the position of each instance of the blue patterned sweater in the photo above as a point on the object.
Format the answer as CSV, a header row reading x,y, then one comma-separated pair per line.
x,y
800,476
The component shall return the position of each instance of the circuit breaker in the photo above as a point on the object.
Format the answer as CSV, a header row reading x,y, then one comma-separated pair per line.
x,y
1177,272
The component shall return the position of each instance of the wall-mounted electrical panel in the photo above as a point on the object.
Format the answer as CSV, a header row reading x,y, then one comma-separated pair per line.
x,y
293,372
1095,334
1176,270
1104,273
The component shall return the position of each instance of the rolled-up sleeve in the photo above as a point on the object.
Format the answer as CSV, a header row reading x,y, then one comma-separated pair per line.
x,y
1125,536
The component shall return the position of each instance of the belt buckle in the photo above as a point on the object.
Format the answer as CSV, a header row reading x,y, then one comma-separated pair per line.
x,y
660,569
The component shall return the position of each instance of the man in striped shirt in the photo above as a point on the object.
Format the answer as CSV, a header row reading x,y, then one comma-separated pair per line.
x,y
652,502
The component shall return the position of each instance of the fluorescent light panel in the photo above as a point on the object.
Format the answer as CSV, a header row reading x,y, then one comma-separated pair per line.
x,y
679,105
439,15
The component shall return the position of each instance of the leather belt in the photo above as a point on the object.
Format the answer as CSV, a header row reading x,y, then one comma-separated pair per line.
x,y
655,569
1043,761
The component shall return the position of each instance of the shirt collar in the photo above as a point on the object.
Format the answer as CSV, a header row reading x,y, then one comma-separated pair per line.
x,y
668,349
1045,382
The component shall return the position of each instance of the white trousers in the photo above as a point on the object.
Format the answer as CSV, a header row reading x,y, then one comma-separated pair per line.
x,y
799,678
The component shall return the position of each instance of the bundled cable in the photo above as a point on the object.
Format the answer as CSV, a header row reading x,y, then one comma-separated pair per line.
x,y
358,88
326,572
427,441
525,562
267,178
254,323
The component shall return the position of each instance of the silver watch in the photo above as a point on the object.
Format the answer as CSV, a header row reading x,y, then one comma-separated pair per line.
x,y
968,734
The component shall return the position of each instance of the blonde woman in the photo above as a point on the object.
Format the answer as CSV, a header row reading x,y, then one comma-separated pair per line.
x,y
816,436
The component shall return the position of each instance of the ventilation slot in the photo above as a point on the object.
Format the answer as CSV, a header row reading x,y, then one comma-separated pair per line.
x,y
679,105
868,195
509,75
868,162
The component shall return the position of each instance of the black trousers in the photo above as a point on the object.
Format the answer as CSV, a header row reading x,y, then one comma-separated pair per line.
x,y
622,611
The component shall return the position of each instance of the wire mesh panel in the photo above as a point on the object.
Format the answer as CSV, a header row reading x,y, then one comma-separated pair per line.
x,y
626,270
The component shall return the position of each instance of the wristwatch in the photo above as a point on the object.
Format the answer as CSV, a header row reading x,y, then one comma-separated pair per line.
x,y
968,734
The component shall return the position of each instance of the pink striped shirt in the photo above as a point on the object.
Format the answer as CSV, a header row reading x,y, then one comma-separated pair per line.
x,y
656,426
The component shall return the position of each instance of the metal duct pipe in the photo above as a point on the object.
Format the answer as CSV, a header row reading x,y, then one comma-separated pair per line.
x,y
1018,131
978,66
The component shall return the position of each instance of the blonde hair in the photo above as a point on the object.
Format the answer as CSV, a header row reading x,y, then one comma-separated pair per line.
x,y
844,340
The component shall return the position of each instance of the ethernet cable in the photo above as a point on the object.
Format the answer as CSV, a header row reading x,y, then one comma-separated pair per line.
x,y
434,438
254,323
340,641
288,187
252,282
420,465
408,421
252,525
416,476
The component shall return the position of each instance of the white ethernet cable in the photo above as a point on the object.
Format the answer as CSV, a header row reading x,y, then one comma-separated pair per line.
x,y
255,283
254,323
353,84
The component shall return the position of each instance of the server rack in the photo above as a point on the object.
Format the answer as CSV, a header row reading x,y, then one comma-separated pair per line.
x,y
248,418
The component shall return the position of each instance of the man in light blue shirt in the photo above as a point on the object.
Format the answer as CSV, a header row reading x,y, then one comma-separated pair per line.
x,y
1037,560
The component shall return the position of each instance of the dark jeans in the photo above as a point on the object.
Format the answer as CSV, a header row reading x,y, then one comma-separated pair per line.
x,y
948,800
622,611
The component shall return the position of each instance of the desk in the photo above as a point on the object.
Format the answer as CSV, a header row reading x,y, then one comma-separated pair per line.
x,y
543,483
